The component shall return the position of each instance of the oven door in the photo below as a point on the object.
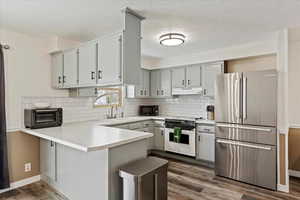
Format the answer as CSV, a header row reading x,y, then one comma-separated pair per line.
x,y
185,146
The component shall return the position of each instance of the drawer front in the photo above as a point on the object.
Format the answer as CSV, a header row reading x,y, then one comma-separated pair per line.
x,y
246,162
206,129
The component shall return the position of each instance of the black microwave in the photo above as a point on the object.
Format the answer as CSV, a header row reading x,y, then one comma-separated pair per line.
x,y
149,110
43,118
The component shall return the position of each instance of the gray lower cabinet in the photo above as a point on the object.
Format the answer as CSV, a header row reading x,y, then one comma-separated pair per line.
x,y
159,138
48,160
156,127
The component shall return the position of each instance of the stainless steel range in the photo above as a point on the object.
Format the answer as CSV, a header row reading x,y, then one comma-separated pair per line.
x,y
246,127
180,136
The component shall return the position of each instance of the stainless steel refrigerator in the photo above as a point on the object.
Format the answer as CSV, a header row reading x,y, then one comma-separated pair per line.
x,y
245,106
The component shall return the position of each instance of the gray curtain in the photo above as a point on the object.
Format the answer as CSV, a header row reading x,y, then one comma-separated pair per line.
x,y
4,177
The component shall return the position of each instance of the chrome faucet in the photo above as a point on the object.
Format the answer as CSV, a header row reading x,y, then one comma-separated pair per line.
x,y
111,114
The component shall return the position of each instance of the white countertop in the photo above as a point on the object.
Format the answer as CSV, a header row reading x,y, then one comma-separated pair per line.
x,y
88,136
96,135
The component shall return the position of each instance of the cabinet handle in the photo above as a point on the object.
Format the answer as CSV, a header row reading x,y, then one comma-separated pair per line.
x,y
155,186
141,92
182,82
162,92
145,92
189,82
92,75
64,79
157,92
99,74
162,132
204,91
59,79
120,57
199,138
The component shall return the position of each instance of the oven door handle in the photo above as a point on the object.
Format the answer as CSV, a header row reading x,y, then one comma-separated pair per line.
x,y
242,144
42,111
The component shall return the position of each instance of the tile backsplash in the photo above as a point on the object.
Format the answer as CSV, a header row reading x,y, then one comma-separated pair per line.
x,y
190,106
81,108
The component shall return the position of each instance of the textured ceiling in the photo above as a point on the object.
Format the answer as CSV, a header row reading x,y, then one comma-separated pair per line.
x,y
208,24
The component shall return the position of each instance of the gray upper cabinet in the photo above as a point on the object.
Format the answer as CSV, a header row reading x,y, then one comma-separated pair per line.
x,y
193,76
70,77
178,77
209,74
143,89
161,83
131,48
155,83
165,83
87,65
186,77
110,60
57,60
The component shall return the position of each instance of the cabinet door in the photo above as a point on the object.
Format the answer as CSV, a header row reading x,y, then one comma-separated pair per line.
x,y
110,60
48,160
139,89
70,78
209,74
155,83
57,69
159,140
146,82
165,90
206,146
87,65
193,76
178,77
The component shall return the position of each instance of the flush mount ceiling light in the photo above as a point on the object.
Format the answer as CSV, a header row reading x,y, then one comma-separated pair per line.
x,y
171,39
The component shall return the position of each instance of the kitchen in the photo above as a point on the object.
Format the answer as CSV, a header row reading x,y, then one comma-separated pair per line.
x,y
169,109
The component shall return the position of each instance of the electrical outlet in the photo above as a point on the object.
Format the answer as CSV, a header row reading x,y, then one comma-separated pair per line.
x,y
27,167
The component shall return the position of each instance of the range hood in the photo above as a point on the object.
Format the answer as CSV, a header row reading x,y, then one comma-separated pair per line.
x,y
187,91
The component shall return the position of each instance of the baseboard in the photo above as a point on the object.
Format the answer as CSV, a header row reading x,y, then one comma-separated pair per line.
x,y
294,173
283,188
21,183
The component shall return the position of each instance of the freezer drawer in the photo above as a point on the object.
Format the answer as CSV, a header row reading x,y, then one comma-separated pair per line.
x,y
246,133
247,162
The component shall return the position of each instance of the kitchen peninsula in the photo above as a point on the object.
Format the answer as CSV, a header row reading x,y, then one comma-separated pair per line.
x,y
81,160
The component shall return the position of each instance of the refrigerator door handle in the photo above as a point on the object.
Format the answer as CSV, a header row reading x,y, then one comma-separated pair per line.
x,y
236,100
244,127
244,98
242,144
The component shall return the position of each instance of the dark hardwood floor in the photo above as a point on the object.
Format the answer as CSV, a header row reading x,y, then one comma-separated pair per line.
x,y
186,182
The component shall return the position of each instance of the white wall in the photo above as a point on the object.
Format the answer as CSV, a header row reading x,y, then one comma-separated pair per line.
x,y
293,77
233,52
28,72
